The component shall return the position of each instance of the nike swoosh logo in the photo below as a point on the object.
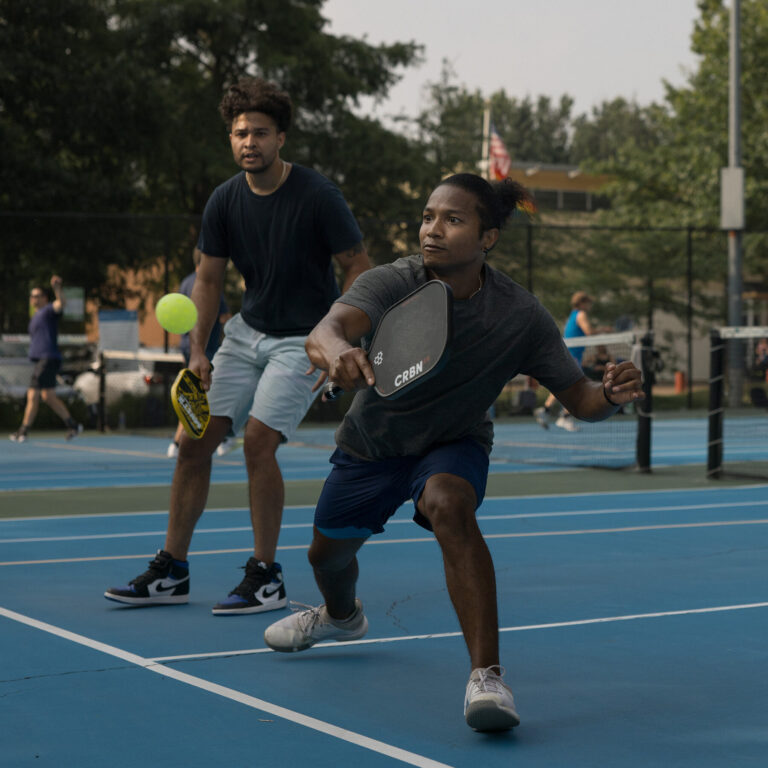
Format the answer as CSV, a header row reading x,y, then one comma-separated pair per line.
x,y
166,587
269,594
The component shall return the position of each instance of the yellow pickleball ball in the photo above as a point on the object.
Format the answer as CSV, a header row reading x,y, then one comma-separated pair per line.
x,y
176,312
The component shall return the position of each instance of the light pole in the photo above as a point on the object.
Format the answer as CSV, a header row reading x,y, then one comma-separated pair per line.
x,y
732,208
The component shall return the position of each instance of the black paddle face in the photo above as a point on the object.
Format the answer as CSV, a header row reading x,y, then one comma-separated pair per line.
x,y
411,341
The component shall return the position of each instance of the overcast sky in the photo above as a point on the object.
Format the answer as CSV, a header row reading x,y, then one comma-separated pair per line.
x,y
593,50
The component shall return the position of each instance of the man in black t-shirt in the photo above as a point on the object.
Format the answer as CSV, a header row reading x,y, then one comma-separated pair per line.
x,y
282,226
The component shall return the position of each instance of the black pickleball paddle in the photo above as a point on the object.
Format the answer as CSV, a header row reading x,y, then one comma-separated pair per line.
x,y
411,341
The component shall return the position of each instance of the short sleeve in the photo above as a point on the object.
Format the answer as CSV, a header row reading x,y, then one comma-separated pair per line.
x,y
337,224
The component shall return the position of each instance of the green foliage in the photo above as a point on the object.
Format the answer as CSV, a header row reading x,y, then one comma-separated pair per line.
x,y
110,107
451,125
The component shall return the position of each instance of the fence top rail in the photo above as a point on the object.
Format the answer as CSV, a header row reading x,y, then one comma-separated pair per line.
x,y
742,332
625,337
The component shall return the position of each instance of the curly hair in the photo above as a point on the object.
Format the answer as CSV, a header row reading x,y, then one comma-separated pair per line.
x,y
254,94
496,201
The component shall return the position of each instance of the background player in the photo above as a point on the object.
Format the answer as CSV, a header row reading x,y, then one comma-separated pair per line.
x,y
45,354
578,324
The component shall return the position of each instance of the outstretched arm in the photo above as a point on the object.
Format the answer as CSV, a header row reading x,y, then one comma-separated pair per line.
x,y
597,400
333,346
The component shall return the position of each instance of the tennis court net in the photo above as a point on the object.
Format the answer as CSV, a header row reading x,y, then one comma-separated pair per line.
x,y
620,442
737,440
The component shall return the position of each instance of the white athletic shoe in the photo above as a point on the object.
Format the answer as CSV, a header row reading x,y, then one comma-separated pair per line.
x,y
567,423
488,703
302,629
542,416
173,450
225,446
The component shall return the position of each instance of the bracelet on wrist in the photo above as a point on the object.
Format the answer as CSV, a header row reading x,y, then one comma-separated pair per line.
x,y
615,405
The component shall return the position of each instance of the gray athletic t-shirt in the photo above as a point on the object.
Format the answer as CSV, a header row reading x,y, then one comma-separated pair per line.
x,y
500,332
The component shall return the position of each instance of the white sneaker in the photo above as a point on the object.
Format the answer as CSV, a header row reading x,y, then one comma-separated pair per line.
x,y
567,423
225,446
542,416
488,703
173,450
302,629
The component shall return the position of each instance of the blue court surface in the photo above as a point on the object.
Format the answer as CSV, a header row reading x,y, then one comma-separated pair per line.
x,y
633,630
122,459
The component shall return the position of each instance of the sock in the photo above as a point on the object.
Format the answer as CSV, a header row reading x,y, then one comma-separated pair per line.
x,y
343,623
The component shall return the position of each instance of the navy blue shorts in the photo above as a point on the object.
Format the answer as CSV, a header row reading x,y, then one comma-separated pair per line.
x,y
360,496
44,373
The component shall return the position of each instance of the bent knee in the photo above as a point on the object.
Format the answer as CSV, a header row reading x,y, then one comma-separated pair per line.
x,y
260,442
450,507
326,554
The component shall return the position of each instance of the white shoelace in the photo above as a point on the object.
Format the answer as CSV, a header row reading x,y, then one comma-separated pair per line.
x,y
308,616
490,681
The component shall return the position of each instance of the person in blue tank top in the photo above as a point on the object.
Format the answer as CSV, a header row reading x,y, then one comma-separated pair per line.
x,y
578,324
283,226
44,353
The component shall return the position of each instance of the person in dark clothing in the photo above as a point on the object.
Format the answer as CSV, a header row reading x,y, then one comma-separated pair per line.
x,y
45,354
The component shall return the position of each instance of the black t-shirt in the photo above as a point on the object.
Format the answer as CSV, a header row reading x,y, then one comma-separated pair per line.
x,y
282,245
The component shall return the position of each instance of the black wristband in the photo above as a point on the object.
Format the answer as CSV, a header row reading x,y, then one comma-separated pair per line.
x,y
615,405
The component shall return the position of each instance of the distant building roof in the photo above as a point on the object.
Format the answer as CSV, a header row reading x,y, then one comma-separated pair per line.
x,y
550,176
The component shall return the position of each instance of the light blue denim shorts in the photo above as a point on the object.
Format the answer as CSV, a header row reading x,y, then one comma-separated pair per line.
x,y
261,376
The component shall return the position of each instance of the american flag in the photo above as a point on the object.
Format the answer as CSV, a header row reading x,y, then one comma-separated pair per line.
x,y
499,160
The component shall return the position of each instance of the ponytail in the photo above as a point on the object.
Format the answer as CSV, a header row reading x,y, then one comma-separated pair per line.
x,y
496,201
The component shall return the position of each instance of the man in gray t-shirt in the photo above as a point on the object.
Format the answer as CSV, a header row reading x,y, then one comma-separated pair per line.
x,y
501,331
432,443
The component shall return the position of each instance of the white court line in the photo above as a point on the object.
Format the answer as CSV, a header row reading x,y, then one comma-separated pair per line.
x,y
414,540
230,693
95,449
558,496
99,515
522,628
514,516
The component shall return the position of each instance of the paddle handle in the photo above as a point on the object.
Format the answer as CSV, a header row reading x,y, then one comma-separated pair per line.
x,y
332,390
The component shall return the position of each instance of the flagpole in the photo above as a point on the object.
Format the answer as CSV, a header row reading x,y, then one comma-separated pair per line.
x,y
485,162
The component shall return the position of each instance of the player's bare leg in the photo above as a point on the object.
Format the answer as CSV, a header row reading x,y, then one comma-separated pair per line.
x,y
334,563
191,482
31,408
448,502
54,402
266,490
341,618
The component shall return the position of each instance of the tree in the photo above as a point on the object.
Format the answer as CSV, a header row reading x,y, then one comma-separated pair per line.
x,y
108,107
451,125
666,168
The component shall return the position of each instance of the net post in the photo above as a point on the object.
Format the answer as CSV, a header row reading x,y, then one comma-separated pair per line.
x,y
102,405
715,425
645,409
